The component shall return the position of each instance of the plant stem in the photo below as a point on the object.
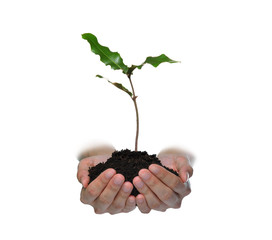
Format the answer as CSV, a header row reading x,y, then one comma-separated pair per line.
x,y
137,113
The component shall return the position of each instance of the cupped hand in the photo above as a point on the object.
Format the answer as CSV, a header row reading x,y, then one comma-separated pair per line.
x,y
160,189
108,192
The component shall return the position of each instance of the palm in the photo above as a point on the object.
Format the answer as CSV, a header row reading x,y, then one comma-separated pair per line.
x,y
170,161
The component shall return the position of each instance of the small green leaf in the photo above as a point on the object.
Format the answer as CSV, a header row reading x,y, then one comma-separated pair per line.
x,y
154,61
118,85
106,55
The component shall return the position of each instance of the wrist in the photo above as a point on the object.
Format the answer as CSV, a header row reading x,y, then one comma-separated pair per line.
x,y
96,151
175,152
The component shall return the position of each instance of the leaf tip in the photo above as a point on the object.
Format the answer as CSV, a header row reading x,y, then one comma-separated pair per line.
x,y
83,35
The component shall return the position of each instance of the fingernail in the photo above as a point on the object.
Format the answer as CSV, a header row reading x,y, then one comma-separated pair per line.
x,y
140,200
126,188
117,180
110,173
139,183
131,200
154,169
144,174
82,180
188,176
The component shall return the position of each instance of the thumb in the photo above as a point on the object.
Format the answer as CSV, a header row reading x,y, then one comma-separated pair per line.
x,y
185,173
83,172
85,181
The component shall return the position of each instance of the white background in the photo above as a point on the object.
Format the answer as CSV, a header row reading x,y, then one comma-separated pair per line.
x,y
215,104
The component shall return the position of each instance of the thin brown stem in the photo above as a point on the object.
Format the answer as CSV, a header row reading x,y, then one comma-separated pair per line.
x,y
137,113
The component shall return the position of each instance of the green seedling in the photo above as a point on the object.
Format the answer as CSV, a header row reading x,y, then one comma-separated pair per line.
x,y
116,62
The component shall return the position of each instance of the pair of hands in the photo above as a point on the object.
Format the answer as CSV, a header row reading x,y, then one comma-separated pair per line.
x,y
159,189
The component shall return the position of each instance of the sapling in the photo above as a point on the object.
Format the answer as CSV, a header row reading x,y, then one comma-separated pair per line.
x,y
141,159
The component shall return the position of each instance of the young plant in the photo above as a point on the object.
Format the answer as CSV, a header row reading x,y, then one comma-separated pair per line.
x,y
116,62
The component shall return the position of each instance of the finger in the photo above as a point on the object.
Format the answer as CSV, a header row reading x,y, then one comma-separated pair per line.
x,y
183,163
120,200
130,204
185,175
171,180
142,204
107,196
186,172
83,171
162,191
152,200
96,187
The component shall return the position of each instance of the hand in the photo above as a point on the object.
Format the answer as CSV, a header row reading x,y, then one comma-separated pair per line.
x,y
106,193
160,189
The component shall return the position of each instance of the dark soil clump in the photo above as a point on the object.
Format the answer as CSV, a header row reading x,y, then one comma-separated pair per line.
x,y
128,163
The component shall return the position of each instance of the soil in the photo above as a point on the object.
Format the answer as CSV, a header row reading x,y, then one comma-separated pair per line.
x,y
128,163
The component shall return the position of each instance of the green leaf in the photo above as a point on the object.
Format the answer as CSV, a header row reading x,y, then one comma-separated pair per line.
x,y
154,61
106,56
118,85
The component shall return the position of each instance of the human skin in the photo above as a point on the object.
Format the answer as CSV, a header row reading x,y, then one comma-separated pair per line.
x,y
108,193
159,189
